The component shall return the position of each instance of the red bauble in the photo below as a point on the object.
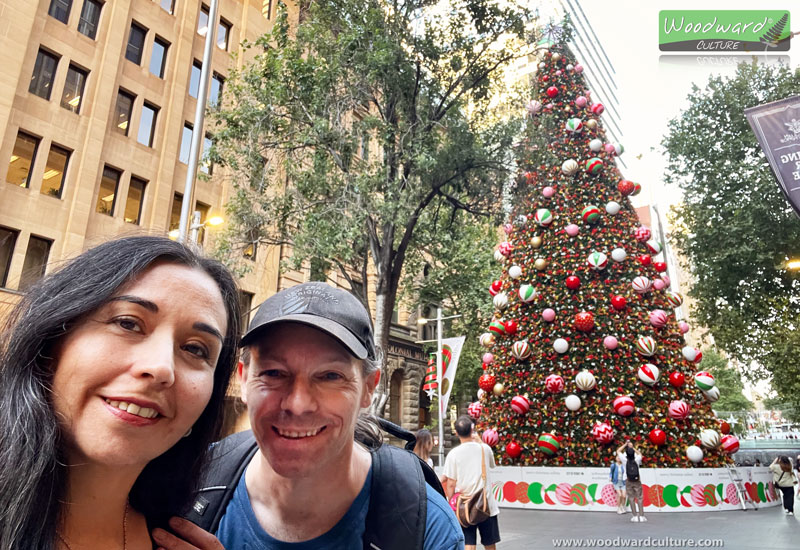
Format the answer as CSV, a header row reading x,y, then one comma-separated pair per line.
x,y
584,321
661,267
511,327
495,287
552,91
487,381
619,302
645,259
676,379
658,436
513,449
573,283
724,428
625,187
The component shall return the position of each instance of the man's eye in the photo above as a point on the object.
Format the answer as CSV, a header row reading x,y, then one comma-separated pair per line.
x,y
332,376
271,373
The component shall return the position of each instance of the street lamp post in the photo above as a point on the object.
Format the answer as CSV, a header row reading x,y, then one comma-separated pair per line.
x,y
199,120
439,319
196,225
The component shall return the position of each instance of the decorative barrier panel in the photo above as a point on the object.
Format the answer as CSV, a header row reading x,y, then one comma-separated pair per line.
x,y
664,489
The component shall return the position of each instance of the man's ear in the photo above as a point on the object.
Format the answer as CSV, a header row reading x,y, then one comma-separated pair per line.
x,y
241,375
371,382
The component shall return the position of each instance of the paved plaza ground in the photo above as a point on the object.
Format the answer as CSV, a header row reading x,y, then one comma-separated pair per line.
x,y
765,529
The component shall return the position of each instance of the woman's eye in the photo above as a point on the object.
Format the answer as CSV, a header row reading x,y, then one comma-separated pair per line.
x,y
332,376
198,350
127,323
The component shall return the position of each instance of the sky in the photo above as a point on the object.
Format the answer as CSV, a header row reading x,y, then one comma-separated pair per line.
x,y
653,86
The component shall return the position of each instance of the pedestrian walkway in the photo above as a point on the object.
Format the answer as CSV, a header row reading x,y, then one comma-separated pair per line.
x,y
766,529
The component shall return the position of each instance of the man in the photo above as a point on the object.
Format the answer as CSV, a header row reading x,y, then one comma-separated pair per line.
x,y
633,481
311,368
463,474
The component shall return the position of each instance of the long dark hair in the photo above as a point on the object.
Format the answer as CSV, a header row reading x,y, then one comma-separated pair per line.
x,y
32,472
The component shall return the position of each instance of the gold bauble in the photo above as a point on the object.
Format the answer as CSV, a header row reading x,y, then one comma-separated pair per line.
x,y
591,124
540,264
556,56
536,242
498,389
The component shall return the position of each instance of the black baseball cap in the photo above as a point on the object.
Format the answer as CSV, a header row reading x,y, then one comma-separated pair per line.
x,y
329,309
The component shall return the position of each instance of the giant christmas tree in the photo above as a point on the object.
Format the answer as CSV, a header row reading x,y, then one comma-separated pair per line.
x,y
584,350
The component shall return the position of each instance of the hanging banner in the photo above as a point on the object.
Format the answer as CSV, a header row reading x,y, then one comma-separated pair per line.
x,y
777,128
451,350
430,384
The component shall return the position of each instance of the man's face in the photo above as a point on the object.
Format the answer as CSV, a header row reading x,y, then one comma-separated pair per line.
x,y
304,392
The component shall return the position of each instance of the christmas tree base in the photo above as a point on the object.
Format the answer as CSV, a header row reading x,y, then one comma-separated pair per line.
x,y
664,489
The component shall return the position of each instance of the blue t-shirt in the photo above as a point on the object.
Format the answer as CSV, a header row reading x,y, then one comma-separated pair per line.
x,y
239,529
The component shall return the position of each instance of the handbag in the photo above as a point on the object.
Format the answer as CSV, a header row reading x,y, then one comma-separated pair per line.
x,y
474,509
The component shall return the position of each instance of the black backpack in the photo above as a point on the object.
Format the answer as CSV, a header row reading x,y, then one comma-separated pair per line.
x,y
633,469
398,500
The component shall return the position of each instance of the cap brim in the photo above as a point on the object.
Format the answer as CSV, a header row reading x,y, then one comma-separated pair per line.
x,y
325,325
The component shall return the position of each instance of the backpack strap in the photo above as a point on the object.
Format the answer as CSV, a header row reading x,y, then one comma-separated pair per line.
x,y
398,501
228,461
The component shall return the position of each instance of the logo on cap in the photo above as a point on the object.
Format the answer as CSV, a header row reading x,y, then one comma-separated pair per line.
x,y
299,301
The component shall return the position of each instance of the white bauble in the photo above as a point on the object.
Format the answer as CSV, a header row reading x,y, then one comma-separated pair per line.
x,y
560,345
573,402
500,300
515,272
613,208
694,453
618,255
595,145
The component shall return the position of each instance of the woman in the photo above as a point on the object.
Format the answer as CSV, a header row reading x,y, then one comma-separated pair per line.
x,y
424,446
617,478
113,372
785,480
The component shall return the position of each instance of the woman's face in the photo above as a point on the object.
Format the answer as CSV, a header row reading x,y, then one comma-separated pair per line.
x,y
133,376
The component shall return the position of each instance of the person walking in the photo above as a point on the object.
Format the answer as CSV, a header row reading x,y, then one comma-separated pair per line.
x,y
785,479
616,476
633,483
464,472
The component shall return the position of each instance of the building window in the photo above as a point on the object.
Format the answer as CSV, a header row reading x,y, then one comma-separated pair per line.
x,y
158,59
168,6
223,33
194,79
205,164
55,171
186,143
123,110
59,9
266,9
44,70
245,303
202,20
22,158
107,196
147,124
396,398
133,52
175,213
73,89
35,262
90,17
8,238
203,209
133,206
216,90
249,252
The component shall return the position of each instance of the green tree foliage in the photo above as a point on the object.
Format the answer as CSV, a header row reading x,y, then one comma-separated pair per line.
x,y
343,131
736,228
729,382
